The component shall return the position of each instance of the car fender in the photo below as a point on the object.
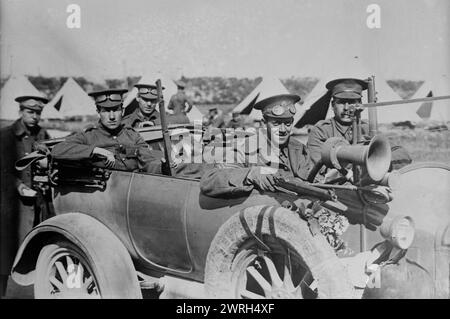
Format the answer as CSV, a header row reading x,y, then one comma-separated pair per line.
x,y
82,230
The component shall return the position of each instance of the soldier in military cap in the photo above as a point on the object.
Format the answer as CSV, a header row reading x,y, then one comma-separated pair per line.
x,y
110,143
180,103
20,206
292,160
346,94
147,97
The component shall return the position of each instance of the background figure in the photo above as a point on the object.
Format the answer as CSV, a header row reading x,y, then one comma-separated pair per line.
x,y
236,121
214,119
181,104
21,205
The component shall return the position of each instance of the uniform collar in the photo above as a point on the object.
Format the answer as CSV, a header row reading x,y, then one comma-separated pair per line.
x,y
273,158
20,129
342,128
107,132
141,116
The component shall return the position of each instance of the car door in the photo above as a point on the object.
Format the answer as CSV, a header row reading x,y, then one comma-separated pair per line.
x,y
157,220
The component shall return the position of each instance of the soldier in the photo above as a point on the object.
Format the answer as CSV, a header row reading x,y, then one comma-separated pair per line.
x,y
241,178
147,97
180,103
118,146
236,121
20,203
214,118
346,94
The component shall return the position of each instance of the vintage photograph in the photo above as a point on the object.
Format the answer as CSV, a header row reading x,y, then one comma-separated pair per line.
x,y
225,149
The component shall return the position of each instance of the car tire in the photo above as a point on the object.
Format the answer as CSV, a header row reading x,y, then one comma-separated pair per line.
x,y
298,265
64,270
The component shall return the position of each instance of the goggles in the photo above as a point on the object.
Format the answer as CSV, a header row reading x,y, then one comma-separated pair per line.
x,y
148,90
280,109
115,97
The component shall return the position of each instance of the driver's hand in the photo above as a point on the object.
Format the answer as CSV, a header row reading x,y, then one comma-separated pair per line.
x,y
333,174
263,178
108,155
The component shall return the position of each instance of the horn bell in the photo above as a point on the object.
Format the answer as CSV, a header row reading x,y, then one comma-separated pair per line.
x,y
375,157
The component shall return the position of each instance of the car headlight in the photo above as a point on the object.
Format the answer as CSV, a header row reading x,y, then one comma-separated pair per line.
x,y
399,231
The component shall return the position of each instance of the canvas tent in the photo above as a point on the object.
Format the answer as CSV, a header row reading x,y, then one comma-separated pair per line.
x,y
70,101
170,88
393,113
317,104
269,86
14,87
438,111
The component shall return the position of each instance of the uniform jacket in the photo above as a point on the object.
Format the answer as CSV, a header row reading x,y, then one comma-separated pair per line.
x,y
231,178
178,103
135,118
17,214
325,129
130,150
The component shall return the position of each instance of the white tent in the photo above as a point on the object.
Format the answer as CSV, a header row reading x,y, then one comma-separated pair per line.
x,y
438,110
14,87
318,96
170,89
392,113
71,100
269,86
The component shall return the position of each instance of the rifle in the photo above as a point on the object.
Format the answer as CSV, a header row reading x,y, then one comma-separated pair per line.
x,y
361,205
164,128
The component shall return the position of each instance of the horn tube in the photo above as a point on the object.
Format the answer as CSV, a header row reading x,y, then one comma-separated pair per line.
x,y
375,157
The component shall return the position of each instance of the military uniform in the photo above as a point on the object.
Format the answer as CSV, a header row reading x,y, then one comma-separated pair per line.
x,y
325,129
181,104
136,118
18,214
233,179
347,89
147,92
129,148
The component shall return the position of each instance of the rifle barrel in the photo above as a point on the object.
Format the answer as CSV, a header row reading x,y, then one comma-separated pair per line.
x,y
164,128
425,99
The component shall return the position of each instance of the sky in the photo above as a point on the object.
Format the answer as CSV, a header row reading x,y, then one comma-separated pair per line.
x,y
225,38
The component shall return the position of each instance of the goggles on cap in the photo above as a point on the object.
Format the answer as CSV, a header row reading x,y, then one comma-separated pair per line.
x,y
148,90
115,97
32,103
279,110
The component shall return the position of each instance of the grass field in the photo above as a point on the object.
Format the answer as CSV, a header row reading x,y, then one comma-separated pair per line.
x,y
423,145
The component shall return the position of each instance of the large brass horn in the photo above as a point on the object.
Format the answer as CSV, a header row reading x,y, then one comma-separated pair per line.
x,y
375,157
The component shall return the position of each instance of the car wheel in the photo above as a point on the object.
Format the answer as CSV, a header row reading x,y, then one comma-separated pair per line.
x,y
66,271
291,262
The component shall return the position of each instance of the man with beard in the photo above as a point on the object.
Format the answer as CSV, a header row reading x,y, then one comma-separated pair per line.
x,y
283,156
146,114
110,143
20,203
